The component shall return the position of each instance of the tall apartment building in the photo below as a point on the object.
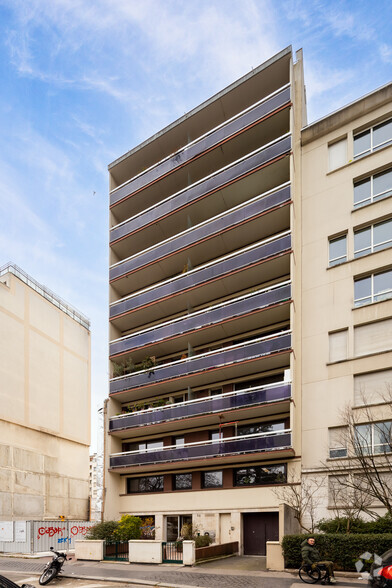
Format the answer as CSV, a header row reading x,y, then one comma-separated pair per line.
x,y
346,324
204,410
251,308
44,402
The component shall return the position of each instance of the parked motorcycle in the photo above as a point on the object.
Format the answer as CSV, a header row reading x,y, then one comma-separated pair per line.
x,y
53,568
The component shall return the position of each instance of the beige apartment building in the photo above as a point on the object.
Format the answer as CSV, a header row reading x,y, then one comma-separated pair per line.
x,y
44,402
250,286
346,232
203,416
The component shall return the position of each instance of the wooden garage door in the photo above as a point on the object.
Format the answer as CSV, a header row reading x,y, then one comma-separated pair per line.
x,y
259,527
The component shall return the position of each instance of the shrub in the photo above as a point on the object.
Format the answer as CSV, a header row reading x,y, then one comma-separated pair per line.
x,y
345,525
128,527
103,531
341,548
203,541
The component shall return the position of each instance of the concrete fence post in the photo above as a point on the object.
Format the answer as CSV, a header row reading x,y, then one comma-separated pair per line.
x,y
188,553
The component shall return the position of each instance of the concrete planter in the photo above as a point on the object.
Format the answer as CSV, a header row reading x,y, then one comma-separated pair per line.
x,y
89,550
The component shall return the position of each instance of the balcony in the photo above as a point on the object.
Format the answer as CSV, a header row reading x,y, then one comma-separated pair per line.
x,y
236,228
268,400
235,361
236,183
201,146
210,281
224,320
233,449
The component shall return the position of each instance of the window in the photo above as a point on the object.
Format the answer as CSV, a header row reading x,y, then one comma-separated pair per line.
x,y
373,139
266,427
337,442
260,475
373,288
215,435
374,387
212,479
373,337
337,154
337,250
182,481
147,484
374,188
338,345
373,438
179,441
373,238
144,446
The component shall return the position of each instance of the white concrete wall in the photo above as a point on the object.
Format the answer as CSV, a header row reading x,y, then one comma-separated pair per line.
x,y
44,407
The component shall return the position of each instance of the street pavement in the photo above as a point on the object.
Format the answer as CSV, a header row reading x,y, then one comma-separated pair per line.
x,y
218,574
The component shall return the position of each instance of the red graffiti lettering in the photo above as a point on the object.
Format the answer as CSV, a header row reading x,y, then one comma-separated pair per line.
x,y
76,529
51,531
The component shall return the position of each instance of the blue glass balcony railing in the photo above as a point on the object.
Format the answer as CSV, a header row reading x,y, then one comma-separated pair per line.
x,y
220,313
203,406
239,216
259,442
211,272
200,190
200,146
210,361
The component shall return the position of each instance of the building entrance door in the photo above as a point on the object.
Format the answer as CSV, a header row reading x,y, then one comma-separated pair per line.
x,y
259,527
174,524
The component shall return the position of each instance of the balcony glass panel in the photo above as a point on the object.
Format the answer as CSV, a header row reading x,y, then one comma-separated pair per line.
x,y
217,226
203,362
229,401
248,444
203,319
207,273
198,147
201,189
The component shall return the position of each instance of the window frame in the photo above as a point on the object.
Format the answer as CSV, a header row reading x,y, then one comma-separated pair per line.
x,y
374,197
372,147
128,484
387,243
373,294
332,262
203,474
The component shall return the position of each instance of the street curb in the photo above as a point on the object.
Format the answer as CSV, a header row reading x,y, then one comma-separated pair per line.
x,y
126,581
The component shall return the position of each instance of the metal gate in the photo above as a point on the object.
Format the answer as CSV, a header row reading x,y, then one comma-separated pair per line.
x,y
116,551
172,552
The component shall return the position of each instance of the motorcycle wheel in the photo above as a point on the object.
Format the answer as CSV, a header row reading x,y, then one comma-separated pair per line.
x,y
47,576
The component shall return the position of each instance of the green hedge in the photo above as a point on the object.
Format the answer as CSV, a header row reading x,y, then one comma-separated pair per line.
x,y
344,550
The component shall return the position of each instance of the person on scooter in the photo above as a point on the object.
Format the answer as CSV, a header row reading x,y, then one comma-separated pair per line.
x,y
311,557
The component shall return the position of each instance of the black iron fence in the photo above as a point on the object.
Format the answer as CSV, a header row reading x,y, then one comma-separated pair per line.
x,y
116,551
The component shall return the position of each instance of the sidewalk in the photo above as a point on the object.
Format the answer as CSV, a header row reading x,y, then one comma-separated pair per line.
x,y
168,575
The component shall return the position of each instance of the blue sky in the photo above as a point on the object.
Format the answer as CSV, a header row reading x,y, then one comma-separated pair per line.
x,y
83,81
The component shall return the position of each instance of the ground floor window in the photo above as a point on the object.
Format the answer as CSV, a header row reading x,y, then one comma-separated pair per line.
x,y
174,525
146,484
260,475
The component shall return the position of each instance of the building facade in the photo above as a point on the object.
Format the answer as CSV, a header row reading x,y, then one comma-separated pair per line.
x,y
44,402
347,303
203,416
250,310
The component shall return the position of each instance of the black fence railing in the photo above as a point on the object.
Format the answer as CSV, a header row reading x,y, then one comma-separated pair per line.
x,y
116,551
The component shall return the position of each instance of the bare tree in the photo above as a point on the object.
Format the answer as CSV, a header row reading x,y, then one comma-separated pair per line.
x,y
365,473
303,498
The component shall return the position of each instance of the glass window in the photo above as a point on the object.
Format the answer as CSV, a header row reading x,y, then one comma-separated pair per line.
x,y
372,139
182,481
337,442
266,427
146,484
260,475
337,250
373,188
212,479
362,143
373,437
337,154
374,288
382,134
373,238
215,435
